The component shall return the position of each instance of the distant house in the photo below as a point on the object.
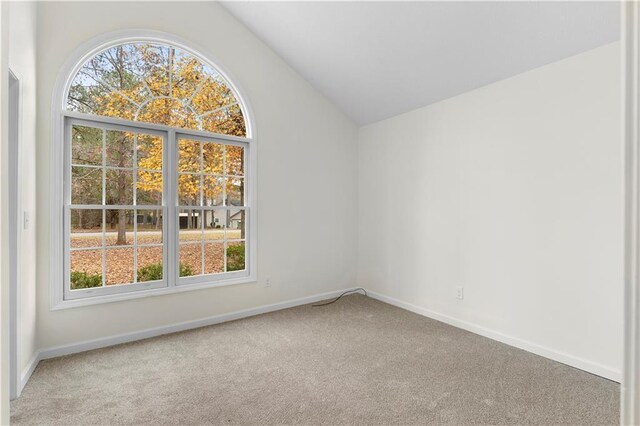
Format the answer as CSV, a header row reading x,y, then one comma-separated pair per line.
x,y
215,220
148,219
235,220
185,218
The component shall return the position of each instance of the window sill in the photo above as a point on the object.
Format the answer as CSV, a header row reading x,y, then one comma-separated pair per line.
x,y
119,297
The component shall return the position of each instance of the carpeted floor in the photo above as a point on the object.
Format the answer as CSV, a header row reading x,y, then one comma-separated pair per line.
x,y
357,361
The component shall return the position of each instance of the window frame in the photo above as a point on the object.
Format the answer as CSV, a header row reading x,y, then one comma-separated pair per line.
x,y
68,206
220,276
60,218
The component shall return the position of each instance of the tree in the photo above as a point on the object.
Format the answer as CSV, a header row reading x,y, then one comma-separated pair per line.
x,y
164,85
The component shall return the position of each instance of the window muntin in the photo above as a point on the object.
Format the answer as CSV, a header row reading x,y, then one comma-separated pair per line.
x,y
114,208
156,83
211,207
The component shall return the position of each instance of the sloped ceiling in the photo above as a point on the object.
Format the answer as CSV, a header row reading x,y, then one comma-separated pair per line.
x,y
379,59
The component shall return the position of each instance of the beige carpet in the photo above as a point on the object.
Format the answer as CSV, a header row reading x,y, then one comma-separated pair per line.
x,y
357,361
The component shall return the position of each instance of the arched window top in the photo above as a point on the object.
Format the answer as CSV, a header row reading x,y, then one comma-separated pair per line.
x,y
159,83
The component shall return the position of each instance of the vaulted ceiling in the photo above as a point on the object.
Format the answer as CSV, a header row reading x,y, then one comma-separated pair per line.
x,y
375,60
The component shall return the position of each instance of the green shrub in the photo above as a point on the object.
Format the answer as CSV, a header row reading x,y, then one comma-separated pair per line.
x,y
185,270
150,272
154,272
84,280
235,257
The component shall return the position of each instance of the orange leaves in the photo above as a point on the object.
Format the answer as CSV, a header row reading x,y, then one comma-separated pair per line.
x,y
149,181
212,154
158,84
161,84
188,156
170,112
235,160
149,152
189,189
215,166
115,104
229,121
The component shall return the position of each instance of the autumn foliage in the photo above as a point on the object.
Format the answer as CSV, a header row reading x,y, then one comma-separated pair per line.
x,y
163,85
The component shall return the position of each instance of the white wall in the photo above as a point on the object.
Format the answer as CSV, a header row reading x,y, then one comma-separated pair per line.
x,y
4,242
307,156
515,192
22,61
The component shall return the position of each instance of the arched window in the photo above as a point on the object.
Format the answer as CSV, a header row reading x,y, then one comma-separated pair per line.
x,y
156,83
156,185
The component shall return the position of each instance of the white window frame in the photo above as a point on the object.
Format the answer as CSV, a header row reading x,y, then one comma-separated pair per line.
x,y
61,296
95,122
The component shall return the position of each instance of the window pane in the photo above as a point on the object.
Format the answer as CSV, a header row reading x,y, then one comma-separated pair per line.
x,y
119,266
236,224
214,224
150,264
212,190
188,156
235,160
149,152
235,256
170,112
213,258
119,187
149,228
86,185
190,230
213,96
189,224
142,72
119,146
196,77
125,244
228,121
149,188
235,191
86,228
212,158
86,269
119,227
188,190
190,259
86,145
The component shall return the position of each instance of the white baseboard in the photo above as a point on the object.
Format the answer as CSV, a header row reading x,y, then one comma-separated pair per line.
x,y
573,361
591,367
172,328
28,371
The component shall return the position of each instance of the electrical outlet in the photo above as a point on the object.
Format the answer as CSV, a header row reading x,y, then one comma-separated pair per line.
x,y
267,282
460,293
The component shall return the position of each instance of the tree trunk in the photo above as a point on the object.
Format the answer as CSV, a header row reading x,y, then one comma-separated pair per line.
x,y
122,214
80,211
122,228
122,191
122,177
